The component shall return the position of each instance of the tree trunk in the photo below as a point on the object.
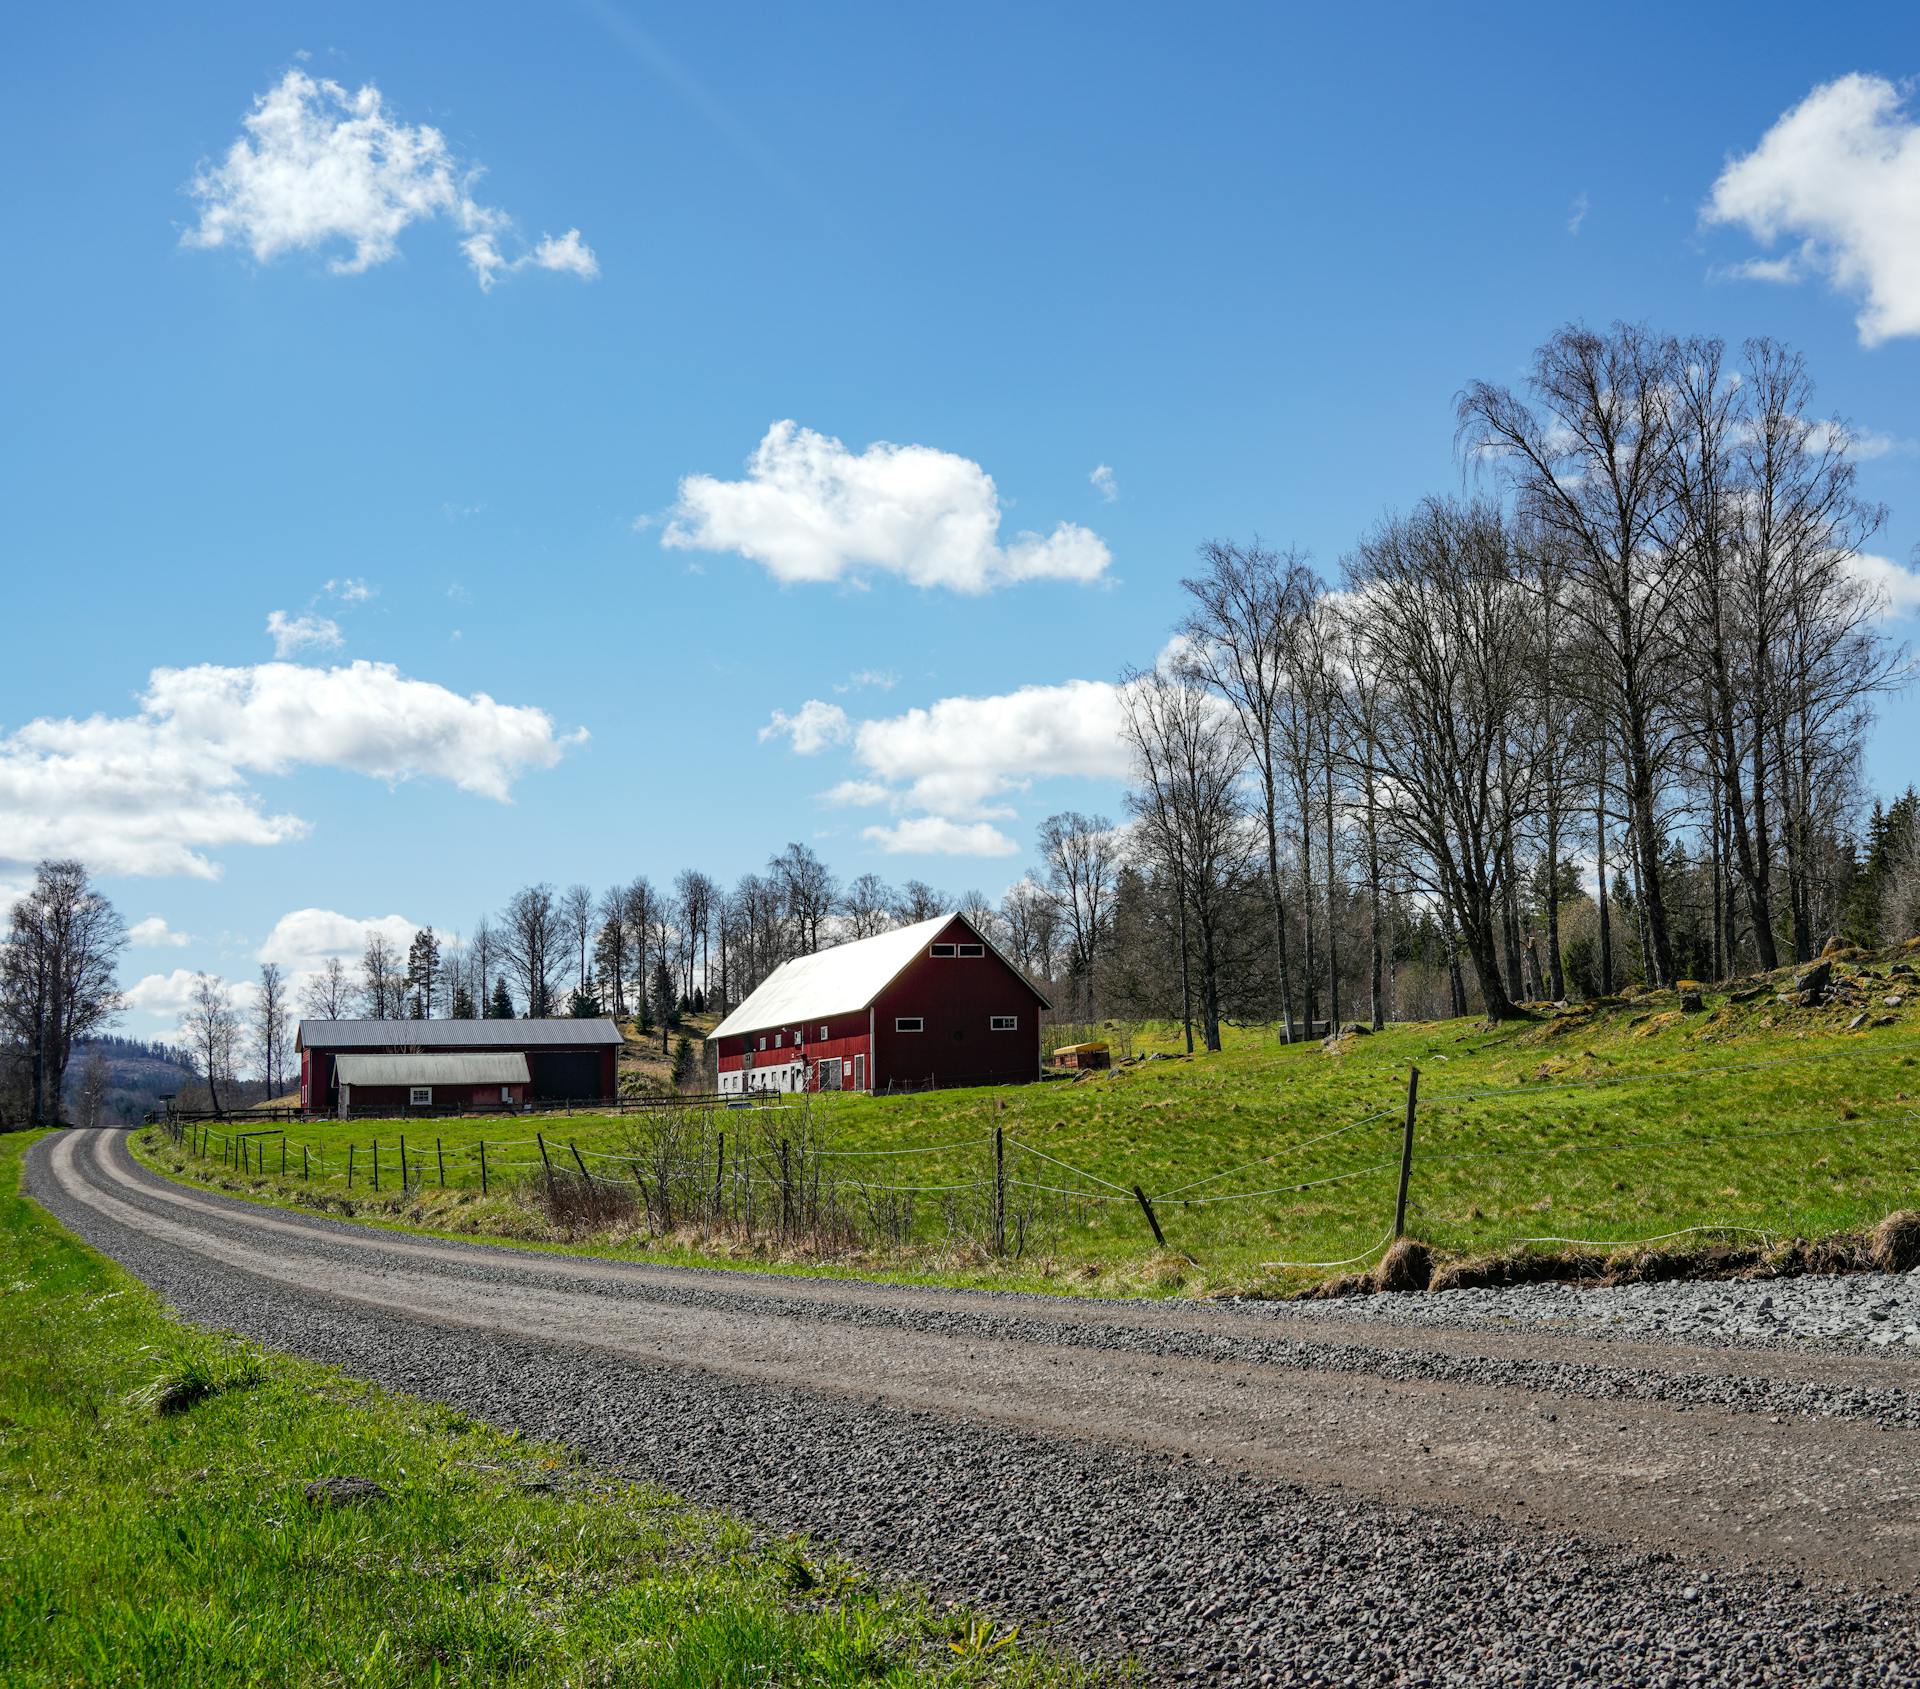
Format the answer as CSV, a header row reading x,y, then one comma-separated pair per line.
x,y
1333,911
1279,908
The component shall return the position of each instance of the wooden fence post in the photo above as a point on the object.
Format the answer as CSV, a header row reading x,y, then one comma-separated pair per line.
x,y
999,1190
349,1166
544,1162
580,1163
440,1156
483,1166
1406,1153
303,1163
376,1163
403,1164
719,1172
1146,1208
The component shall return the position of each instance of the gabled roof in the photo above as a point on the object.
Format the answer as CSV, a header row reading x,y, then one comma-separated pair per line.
x,y
844,978
475,1067
451,1034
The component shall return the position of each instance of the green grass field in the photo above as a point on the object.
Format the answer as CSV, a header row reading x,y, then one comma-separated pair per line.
x,y
1608,1124
156,1530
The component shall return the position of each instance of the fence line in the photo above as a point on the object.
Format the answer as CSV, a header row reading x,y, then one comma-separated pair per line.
x,y
753,1169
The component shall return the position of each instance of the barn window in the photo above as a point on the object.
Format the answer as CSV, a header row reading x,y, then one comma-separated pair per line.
x,y
823,1032
908,1023
1005,1023
763,1043
776,1039
940,949
973,950
506,1093
420,1094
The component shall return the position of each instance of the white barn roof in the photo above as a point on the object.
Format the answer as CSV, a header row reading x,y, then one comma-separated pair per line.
x,y
477,1067
838,981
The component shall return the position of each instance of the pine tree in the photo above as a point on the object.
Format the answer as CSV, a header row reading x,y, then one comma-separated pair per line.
x,y
501,1007
662,994
462,1008
684,1064
423,972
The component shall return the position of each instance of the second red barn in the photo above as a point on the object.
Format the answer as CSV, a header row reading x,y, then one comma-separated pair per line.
x,y
933,1004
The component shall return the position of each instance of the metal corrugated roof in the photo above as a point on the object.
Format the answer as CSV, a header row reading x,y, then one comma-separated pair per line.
x,y
431,1034
472,1068
840,980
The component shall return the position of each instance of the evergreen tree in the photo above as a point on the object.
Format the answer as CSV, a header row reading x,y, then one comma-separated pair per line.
x,y
462,1008
423,972
662,994
684,1063
583,1003
501,1006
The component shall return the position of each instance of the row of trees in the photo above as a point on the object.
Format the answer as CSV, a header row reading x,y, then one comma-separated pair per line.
x,y
1643,647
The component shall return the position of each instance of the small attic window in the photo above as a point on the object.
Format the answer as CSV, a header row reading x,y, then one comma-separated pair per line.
x,y
973,950
940,949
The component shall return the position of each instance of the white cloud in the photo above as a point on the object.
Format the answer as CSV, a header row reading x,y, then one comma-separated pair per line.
x,y
154,792
154,934
303,939
1840,175
812,727
1871,443
164,996
569,254
1104,482
1577,212
1898,588
934,835
353,590
881,680
319,168
291,634
961,752
856,794
811,510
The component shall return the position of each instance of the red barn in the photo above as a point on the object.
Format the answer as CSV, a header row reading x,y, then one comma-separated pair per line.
x,y
930,1004
437,1066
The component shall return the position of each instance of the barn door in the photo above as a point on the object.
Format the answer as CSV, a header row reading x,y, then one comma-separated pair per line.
x,y
830,1074
859,1073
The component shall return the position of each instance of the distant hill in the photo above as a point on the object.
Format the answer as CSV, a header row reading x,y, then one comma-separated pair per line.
x,y
139,1074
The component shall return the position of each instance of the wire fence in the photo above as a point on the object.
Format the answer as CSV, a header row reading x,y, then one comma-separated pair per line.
x,y
771,1170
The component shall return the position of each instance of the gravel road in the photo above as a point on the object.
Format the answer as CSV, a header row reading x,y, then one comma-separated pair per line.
x,y
1240,1494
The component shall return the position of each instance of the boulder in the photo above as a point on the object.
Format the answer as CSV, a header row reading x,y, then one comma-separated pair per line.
x,y
1815,980
1691,1002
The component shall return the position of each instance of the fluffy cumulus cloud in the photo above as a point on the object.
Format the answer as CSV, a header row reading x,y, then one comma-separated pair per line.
x,y
1837,180
157,791
154,934
935,835
812,510
164,996
946,770
811,728
319,169
303,939
294,634
960,753
1897,588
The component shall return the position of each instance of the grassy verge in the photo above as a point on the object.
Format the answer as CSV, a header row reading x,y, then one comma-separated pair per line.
x,y
157,1529
1599,1124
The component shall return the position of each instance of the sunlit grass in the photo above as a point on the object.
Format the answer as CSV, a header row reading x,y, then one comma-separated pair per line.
x,y
156,1530
1621,1122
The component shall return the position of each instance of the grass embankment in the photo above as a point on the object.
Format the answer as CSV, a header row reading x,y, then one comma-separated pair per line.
x,y
1599,1123
158,1529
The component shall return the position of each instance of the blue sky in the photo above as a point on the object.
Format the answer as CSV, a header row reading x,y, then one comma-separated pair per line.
x,y
1243,258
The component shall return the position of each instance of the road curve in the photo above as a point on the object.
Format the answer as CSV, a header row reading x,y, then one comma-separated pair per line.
x,y
1228,1491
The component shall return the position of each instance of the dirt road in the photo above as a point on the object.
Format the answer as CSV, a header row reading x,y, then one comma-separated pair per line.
x,y
1229,1490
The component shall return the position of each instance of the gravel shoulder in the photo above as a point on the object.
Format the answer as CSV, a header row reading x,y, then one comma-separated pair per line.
x,y
1242,1490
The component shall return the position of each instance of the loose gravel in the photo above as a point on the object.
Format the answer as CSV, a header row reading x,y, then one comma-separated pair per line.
x,y
1859,1311
1199,1572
